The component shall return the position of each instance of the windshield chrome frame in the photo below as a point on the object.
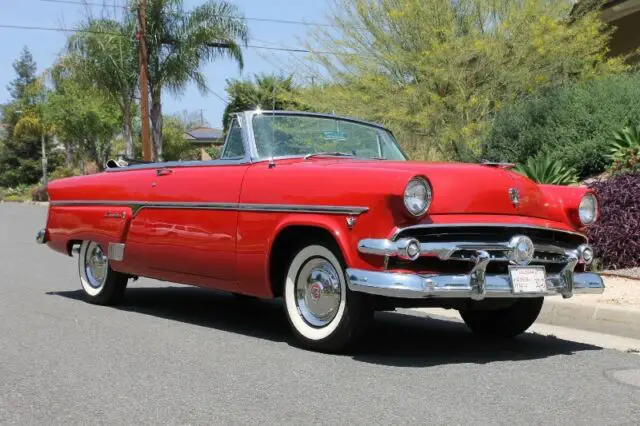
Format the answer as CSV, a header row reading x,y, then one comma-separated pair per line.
x,y
255,158
245,120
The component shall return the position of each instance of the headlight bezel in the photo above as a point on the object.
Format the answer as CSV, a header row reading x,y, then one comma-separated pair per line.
x,y
593,216
428,198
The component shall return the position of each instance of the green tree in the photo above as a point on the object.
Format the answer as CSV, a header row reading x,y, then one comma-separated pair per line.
x,y
176,146
437,71
21,153
103,53
266,91
179,42
25,68
86,119
35,121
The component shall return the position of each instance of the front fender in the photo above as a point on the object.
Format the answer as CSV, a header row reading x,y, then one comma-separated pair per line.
x,y
562,202
335,225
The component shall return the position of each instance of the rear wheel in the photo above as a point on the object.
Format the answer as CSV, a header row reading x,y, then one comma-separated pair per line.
x,y
101,284
323,313
504,322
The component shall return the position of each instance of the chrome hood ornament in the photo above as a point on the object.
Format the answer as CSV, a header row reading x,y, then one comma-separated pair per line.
x,y
514,195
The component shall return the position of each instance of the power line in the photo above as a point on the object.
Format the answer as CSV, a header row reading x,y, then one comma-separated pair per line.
x,y
63,30
251,46
85,3
275,21
218,96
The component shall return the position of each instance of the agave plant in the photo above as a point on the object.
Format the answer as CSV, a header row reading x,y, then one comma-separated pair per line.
x,y
624,143
544,169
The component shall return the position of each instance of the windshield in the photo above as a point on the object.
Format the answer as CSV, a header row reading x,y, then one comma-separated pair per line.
x,y
284,135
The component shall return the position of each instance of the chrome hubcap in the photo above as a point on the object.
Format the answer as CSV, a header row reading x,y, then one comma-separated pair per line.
x,y
96,265
318,292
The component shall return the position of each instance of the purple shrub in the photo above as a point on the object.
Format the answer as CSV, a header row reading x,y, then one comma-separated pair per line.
x,y
615,237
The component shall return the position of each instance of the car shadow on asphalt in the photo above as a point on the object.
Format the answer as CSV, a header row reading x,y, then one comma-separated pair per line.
x,y
405,338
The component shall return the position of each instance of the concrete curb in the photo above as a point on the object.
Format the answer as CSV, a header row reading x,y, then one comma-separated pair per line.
x,y
34,203
616,320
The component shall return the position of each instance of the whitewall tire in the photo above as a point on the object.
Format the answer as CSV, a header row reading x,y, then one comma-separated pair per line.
x,y
323,313
101,284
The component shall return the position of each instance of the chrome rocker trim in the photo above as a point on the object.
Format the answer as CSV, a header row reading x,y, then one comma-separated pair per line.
x,y
414,286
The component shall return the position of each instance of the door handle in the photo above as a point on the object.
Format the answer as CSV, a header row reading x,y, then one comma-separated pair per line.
x,y
163,172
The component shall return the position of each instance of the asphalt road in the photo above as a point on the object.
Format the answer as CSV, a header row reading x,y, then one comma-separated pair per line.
x,y
180,355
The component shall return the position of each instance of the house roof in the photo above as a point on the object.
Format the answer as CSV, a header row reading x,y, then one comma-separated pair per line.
x,y
205,135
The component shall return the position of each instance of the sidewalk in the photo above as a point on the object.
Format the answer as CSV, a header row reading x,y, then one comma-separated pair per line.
x,y
616,311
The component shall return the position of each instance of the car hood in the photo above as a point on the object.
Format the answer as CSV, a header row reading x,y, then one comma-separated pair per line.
x,y
459,188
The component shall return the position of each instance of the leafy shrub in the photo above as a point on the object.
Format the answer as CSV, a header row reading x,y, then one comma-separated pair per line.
x,y
213,151
64,172
38,193
615,237
545,169
573,123
17,193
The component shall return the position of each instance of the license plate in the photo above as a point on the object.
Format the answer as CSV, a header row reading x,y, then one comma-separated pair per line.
x,y
528,279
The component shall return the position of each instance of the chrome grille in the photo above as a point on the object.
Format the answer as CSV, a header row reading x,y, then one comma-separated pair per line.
x,y
491,234
551,247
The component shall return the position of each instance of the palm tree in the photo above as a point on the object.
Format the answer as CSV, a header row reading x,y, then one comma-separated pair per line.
x,y
103,51
179,42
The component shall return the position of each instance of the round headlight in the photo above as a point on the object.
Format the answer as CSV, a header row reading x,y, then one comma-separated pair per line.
x,y
417,196
588,209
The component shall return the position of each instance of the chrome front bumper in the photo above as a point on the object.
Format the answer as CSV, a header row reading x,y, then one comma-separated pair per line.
x,y
477,284
414,286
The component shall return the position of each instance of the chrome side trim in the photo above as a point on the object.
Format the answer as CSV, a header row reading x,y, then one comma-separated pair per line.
x,y
115,251
136,206
414,286
482,225
296,208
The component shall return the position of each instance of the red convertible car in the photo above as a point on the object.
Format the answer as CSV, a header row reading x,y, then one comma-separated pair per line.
x,y
328,213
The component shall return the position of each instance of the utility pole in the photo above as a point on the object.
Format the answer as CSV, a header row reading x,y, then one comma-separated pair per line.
x,y
43,146
144,81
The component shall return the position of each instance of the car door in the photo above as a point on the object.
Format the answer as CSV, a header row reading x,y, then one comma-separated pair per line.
x,y
187,231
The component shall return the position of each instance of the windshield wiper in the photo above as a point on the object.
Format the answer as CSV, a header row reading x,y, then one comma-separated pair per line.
x,y
330,153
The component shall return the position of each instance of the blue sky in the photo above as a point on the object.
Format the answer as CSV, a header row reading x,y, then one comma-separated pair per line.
x,y
46,45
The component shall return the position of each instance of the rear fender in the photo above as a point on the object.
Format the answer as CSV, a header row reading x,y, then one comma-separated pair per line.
x,y
101,224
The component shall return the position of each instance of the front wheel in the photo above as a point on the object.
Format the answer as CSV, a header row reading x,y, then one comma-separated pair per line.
x,y
323,313
504,322
101,284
